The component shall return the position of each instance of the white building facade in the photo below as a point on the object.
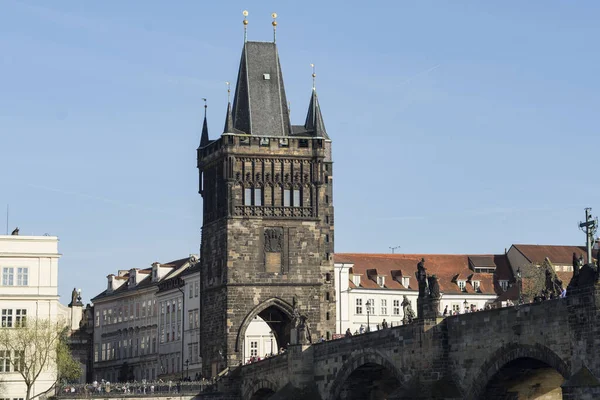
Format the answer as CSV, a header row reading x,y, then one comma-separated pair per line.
x,y
126,323
29,290
191,307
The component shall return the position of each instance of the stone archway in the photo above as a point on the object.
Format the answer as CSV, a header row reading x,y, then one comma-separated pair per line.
x,y
533,356
363,362
260,389
277,313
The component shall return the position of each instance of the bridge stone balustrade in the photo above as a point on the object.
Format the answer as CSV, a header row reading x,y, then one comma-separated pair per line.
x,y
452,358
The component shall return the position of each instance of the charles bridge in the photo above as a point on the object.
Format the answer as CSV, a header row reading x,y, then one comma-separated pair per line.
x,y
545,350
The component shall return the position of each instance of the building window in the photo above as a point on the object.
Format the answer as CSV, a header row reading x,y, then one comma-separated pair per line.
x,y
384,307
298,199
475,285
327,316
286,197
456,308
196,289
258,196
20,317
22,276
326,199
326,238
253,349
7,318
326,296
97,318
19,361
359,309
327,219
303,143
371,306
356,280
4,360
8,278
328,277
381,281
405,281
191,291
248,196
396,307
462,286
504,285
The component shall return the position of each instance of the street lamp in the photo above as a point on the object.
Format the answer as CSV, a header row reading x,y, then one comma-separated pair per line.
x,y
368,304
271,342
187,365
466,304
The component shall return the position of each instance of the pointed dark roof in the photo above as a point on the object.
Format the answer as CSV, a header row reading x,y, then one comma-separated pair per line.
x,y
228,128
204,137
260,104
314,119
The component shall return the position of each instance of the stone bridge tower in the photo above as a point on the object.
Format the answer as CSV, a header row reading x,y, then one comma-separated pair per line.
x,y
267,234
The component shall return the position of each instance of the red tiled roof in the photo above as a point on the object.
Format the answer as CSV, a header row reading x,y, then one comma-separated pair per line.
x,y
563,255
446,267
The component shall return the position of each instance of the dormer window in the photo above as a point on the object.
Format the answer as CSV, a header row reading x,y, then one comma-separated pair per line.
x,y
475,285
405,281
504,285
381,281
462,285
356,280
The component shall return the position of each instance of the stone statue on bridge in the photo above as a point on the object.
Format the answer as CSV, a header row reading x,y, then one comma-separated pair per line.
x,y
421,275
409,314
434,287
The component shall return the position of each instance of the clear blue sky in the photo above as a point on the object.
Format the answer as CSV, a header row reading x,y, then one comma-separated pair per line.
x,y
458,127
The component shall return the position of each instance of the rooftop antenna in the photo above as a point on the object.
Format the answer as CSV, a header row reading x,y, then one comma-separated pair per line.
x,y
393,248
314,75
245,14
274,23
228,92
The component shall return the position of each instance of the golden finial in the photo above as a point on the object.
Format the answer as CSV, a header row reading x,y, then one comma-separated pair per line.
x,y
274,23
314,75
228,92
245,14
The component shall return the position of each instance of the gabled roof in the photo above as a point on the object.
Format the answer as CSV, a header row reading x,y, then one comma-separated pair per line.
x,y
563,255
260,105
445,266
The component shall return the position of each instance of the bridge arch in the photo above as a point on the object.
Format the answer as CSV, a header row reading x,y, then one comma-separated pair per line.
x,y
358,359
509,354
276,312
260,389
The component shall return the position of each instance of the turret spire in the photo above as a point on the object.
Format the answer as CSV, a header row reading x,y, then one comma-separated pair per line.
x,y
204,136
314,119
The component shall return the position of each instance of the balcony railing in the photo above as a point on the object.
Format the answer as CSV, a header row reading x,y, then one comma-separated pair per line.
x,y
271,211
134,389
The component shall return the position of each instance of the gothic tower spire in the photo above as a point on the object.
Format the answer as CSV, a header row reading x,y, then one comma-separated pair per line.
x,y
204,137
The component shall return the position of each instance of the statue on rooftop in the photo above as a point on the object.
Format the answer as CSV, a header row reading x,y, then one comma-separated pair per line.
x,y
421,275
15,232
